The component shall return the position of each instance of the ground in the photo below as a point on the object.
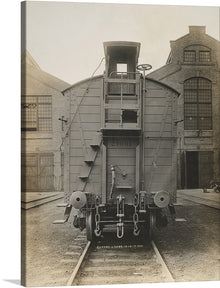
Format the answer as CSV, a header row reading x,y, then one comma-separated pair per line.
x,y
190,248
46,245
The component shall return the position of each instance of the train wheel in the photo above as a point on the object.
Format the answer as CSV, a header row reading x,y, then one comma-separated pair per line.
x,y
152,223
148,228
89,226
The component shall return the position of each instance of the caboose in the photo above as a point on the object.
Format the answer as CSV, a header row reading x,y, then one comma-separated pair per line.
x,y
120,148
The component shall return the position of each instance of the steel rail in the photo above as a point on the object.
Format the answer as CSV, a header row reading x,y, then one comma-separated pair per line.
x,y
166,272
39,202
162,262
76,269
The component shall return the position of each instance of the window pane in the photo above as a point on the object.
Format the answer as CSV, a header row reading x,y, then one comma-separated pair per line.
x,y
190,95
28,99
204,96
36,113
191,84
190,123
44,99
189,56
204,56
29,114
28,126
45,110
204,84
45,124
205,110
190,110
205,123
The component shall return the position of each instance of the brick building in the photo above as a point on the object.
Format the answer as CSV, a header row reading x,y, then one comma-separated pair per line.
x,y
42,104
193,69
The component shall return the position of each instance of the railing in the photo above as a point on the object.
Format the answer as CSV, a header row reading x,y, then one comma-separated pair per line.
x,y
122,74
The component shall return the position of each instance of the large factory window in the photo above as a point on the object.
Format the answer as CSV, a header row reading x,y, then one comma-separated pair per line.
x,y
36,113
197,104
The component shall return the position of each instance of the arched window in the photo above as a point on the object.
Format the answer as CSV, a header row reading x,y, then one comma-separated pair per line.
x,y
197,53
197,104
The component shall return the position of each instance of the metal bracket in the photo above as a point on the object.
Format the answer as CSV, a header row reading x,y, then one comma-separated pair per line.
x,y
142,201
66,215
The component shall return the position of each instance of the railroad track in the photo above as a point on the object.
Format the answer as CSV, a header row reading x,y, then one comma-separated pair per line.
x,y
27,204
119,264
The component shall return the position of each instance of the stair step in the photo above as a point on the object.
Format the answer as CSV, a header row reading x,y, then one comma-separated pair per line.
x,y
90,157
89,161
96,141
62,221
123,187
62,205
180,220
84,172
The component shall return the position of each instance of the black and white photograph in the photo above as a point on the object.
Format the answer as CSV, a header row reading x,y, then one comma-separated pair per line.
x,y
119,144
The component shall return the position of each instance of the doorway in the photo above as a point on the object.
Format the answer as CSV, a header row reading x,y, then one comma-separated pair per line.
x,y
199,169
37,172
192,171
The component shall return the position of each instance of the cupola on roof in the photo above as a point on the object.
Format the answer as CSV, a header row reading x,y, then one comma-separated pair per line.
x,y
121,52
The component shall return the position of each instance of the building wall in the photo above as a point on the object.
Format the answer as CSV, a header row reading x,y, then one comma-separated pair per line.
x,y
41,152
174,73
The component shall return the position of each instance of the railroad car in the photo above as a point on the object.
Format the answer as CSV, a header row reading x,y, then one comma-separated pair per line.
x,y
120,148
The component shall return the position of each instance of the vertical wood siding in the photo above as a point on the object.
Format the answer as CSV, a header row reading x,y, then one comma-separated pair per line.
x,y
160,142
159,146
83,129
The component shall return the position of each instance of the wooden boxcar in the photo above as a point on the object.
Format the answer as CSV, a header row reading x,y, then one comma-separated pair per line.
x,y
120,147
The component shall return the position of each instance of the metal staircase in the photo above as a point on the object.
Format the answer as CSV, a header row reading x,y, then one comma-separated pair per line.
x,y
89,160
